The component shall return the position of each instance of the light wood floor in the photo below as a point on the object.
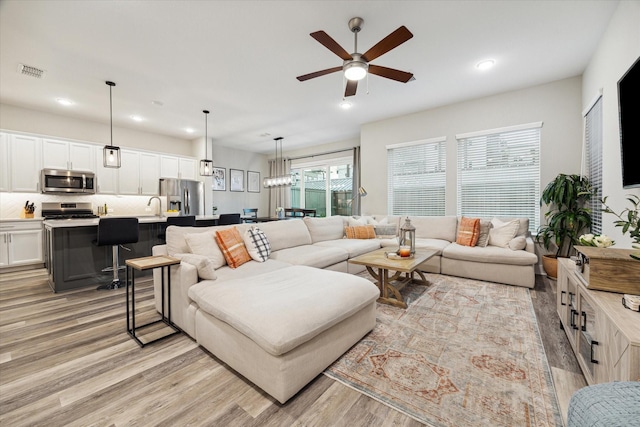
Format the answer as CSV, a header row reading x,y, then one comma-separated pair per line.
x,y
65,359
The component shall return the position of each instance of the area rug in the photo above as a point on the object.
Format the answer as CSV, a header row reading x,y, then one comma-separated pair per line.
x,y
464,353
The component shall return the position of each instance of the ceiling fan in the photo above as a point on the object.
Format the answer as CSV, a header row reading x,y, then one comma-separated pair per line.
x,y
356,65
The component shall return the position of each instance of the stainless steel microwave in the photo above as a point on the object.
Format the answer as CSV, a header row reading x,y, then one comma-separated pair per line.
x,y
67,181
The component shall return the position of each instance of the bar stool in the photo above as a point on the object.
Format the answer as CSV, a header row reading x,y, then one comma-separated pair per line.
x,y
180,221
115,232
227,219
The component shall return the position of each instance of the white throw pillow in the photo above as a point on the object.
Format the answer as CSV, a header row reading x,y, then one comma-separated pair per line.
x,y
203,264
372,221
502,232
205,244
355,222
518,243
257,244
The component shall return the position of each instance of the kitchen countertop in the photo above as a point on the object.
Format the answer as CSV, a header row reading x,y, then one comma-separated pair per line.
x,y
143,219
20,219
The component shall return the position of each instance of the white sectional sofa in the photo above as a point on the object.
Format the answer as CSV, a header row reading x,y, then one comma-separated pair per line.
x,y
281,322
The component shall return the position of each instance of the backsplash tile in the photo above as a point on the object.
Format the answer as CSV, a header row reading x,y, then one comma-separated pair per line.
x,y
11,204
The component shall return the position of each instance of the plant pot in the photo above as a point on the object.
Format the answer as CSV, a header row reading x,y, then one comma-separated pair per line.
x,y
550,265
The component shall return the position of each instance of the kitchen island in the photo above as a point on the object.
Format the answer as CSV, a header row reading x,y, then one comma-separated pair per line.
x,y
74,261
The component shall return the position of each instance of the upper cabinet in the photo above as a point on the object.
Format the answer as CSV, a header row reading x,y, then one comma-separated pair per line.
x,y
139,173
177,167
25,163
68,155
106,178
22,157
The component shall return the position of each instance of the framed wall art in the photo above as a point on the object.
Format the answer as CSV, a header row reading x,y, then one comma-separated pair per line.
x,y
253,182
236,180
219,179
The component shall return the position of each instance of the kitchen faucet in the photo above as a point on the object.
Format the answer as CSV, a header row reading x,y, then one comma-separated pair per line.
x,y
159,205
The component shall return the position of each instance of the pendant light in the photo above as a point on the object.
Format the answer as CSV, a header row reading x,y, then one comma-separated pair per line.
x,y
278,179
206,165
111,153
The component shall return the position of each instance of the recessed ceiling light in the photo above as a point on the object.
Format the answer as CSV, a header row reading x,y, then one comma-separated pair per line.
x,y
64,101
136,118
485,64
189,130
345,105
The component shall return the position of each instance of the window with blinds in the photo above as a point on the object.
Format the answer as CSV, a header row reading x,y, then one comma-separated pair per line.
x,y
499,173
417,177
593,142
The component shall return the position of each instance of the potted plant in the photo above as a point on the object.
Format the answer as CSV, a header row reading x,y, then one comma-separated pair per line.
x,y
567,217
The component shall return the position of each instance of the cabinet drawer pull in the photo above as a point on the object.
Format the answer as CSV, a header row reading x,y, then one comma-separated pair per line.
x,y
573,319
562,294
584,321
593,342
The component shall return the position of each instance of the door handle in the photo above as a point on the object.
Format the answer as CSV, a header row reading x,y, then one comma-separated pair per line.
x,y
562,294
593,360
584,321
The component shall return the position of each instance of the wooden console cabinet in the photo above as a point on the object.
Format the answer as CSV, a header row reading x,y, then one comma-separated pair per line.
x,y
604,335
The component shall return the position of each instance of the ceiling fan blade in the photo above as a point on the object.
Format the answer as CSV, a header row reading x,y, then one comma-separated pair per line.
x,y
326,40
392,41
352,86
390,73
318,73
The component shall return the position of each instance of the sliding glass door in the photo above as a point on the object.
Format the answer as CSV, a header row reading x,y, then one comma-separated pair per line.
x,y
324,186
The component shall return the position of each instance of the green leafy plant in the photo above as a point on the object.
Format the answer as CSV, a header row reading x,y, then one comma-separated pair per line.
x,y
628,219
568,217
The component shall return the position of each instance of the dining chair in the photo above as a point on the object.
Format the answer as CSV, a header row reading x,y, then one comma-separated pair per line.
x,y
249,213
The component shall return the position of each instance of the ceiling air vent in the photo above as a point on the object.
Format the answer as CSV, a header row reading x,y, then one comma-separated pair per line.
x,y
28,70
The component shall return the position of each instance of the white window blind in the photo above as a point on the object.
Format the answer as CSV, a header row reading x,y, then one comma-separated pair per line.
x,y
593,141
417,177
499,173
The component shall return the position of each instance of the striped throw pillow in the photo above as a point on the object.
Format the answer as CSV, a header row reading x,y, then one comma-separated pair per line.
x,y
360,232
468,231
257,244
232,247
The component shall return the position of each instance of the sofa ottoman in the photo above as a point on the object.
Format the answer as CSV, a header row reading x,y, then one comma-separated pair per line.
x,y
283,328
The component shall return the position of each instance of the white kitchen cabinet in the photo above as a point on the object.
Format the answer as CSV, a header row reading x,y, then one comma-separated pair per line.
x,y
169,167
26,162
21,243
149,174
5,184
107,178
139,173
58,154
177,167
187,168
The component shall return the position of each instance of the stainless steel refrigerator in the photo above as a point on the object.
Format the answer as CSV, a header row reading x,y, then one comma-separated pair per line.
x,y
185,195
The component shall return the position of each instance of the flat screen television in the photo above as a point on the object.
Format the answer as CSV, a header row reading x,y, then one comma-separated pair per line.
x,y
629,108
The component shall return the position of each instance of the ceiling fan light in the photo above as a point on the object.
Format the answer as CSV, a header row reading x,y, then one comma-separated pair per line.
x,y
355,70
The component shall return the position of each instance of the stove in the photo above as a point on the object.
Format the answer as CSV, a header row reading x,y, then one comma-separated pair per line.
x,y
75,210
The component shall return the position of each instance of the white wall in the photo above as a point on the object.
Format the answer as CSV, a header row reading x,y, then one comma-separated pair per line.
x,y
616,52
229,201
32,121
557,104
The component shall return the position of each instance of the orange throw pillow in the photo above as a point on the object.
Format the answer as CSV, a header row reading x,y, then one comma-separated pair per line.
x,y
468,231
360,232
232,247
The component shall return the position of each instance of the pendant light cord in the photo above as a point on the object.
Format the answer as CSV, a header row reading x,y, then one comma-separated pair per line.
x,y
206,133
111,85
